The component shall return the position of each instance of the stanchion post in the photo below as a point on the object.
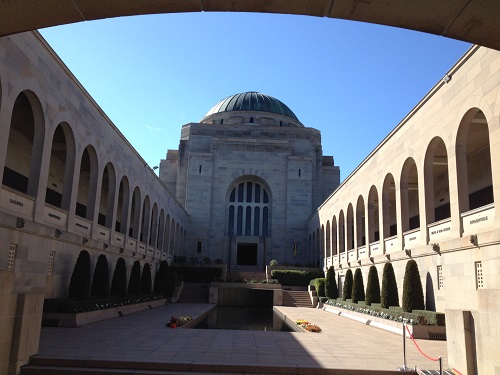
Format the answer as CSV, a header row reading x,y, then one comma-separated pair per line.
x,y
440,365
404,368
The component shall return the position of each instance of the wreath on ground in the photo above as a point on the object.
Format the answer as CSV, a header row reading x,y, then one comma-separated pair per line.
x,y
308,326
178,321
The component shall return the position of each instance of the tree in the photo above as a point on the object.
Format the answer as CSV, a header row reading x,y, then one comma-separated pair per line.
x,y
347,290
389,295
134,283
146,279
119,282
79,285
331,290
358,287
160,285
413,294
372,287
100,280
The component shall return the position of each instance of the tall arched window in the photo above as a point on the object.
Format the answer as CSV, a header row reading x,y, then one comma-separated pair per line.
x,y
475,183
248,211
26,136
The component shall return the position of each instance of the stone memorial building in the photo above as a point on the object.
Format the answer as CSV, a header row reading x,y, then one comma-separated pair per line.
x,y
249,174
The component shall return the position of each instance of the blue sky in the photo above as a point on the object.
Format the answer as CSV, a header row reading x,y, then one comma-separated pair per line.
x,y
353,81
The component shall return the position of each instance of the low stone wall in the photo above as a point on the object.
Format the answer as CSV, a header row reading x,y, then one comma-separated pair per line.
x,y
80,319
419,331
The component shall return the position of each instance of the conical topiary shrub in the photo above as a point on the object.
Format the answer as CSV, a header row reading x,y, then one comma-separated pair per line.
x,y
372,287
331,290
100,280
358,287
161,278
413,294
134,284
79,285
389,294
146,279
347,290
119,282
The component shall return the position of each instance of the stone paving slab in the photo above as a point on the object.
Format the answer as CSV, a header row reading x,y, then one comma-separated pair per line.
x,y
143,337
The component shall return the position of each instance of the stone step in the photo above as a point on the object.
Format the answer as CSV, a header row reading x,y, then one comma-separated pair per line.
x,y
296,298
54,366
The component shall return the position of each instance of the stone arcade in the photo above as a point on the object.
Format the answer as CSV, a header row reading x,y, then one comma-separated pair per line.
x,y
245,187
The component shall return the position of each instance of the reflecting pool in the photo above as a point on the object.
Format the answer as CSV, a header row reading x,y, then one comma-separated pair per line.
x,y
244,318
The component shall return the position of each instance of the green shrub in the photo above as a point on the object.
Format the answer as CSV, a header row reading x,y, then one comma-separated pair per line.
x,y
134,283
198,274
79,285
100,280
146,279
273,263
395,314
160,285
358,287
389,294
347,290
372,287
295,277
331,290
413,294
119,282
431,317
319,285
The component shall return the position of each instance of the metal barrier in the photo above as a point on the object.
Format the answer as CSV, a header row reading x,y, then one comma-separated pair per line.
x,y
404,368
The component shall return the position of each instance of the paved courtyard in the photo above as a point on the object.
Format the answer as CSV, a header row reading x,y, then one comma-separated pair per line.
x,y
143,337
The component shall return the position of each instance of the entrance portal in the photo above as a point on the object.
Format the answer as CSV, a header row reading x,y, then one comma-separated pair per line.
x,y
247,254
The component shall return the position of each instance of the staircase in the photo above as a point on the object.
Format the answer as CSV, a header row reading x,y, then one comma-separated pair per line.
x,y
194,293
296,298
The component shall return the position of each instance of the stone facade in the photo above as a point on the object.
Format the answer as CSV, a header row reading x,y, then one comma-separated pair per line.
x,y
70,182
249,150
429,192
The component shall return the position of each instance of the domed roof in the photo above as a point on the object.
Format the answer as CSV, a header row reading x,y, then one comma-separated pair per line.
x,y
252,101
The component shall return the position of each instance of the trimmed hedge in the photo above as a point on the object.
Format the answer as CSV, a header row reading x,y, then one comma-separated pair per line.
x,y
358,287
79,285
295,277
198,274
160,284
319,285
100,280
347,290
134,283
432,317
331,290
372,287
69,305
389,294
413,294
119,282
417,316
146,279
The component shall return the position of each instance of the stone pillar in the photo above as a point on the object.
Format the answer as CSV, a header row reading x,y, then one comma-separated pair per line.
x,y
7,318
460,341
27,327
